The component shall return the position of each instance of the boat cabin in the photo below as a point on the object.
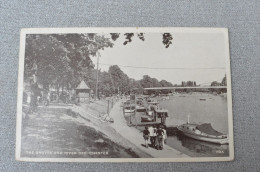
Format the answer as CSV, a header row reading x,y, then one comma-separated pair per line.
x,y
129,108
153,105
161,113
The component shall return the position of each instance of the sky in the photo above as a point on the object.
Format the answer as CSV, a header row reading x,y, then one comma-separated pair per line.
x,y
189,55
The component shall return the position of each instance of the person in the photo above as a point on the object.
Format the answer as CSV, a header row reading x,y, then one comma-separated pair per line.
x,y
28,98
160,133
164,135
155,136
146,134
152,135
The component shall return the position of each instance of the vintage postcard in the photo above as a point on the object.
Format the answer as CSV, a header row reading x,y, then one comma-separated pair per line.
x,y
124,95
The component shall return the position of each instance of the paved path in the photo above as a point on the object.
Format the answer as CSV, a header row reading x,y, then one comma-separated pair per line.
x,y
136,137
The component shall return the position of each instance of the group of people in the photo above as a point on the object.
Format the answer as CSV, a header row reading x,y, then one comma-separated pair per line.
x,y
157,136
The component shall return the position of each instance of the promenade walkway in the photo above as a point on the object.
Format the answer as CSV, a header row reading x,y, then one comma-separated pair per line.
x,y
136,137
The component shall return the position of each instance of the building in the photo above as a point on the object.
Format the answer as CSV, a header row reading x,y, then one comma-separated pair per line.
x,y
83,92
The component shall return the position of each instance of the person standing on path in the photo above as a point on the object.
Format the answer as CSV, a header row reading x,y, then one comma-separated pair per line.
x,y
160,133
152,135
155,136
164,135
146,135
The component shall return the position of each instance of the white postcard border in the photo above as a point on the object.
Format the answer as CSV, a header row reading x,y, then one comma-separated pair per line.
x,y
122,30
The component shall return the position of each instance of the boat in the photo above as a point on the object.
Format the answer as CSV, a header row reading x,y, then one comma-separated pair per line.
x,y
140,108
203,132
201,99
146,119
151,107
129,109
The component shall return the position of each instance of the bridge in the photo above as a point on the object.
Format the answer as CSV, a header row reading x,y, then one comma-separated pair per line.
x,y
193,87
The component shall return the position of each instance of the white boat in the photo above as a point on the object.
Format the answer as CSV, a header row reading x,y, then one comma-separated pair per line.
x,y
203,132
149,112
129,109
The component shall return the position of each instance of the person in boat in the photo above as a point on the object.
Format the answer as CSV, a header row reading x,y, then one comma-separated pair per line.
x,y
197,131
146,135
152,135
160,134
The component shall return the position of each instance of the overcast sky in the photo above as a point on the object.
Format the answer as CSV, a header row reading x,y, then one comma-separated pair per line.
x,y
190,52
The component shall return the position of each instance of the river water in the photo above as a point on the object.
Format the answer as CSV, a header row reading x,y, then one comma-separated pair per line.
x,y
212,109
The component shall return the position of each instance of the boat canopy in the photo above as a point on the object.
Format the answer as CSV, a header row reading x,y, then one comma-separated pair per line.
x,y
153,103
207,128
161,112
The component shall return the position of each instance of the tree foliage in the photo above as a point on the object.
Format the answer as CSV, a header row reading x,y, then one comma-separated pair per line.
x,y
166,38
63,60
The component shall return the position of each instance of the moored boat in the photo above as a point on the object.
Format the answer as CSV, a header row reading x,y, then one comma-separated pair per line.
x,y
129,109
203,132
140,108
151,107
146,119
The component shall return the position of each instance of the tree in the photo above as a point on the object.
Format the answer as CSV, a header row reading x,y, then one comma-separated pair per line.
x,y
156,83
224,81
61,60
146,82
105,85
166,38
119,78
214,83
165,83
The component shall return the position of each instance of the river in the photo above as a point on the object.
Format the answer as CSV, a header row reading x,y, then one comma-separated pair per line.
x,y
211,109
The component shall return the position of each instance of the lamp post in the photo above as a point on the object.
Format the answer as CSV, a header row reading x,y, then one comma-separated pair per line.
x,y
96,93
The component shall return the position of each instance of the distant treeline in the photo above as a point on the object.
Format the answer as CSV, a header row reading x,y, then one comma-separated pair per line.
x,y
115,81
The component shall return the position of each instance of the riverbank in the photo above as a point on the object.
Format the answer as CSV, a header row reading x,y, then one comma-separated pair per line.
x,y
63,131
136,137
82,128
94,120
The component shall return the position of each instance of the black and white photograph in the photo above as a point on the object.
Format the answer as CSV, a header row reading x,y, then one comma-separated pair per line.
x,y
124,95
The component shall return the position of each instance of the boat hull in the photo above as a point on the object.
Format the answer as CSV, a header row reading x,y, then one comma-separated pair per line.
x,y
129,111
204,138
146,119
140,109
